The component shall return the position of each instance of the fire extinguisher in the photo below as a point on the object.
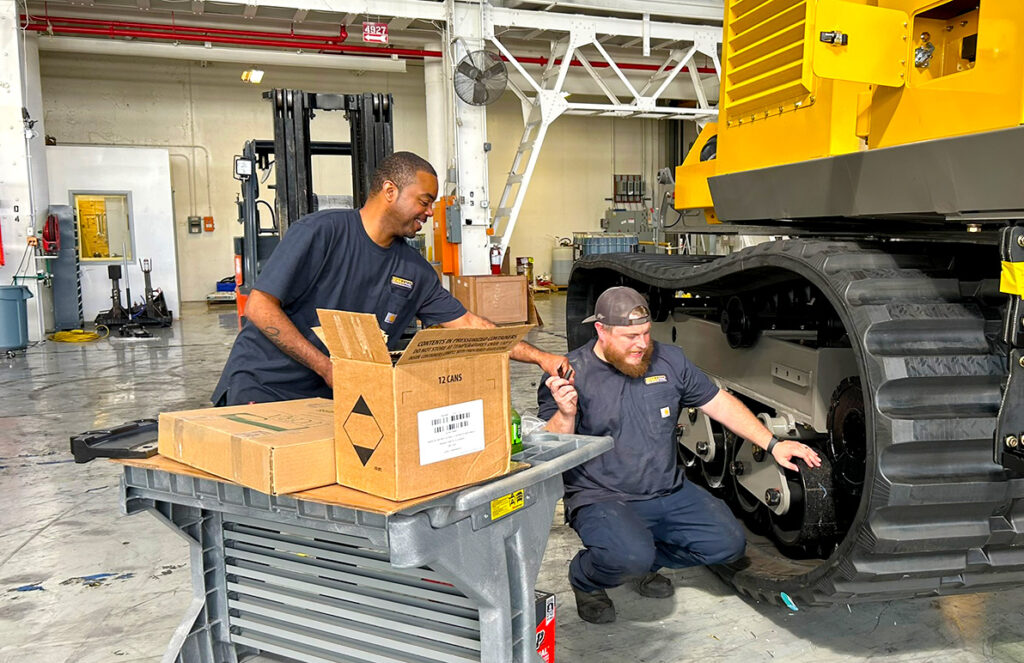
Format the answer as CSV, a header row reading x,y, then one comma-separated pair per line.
x,y
495,259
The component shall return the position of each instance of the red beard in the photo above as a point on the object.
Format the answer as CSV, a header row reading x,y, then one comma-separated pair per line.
x,y
618,360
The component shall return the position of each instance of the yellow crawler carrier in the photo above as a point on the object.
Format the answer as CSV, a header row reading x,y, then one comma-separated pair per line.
x,y
880,143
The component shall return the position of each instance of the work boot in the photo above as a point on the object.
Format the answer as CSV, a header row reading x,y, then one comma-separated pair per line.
x,y
594,607
654,586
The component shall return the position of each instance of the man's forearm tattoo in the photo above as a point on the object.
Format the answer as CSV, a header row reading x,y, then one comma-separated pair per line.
x,y
274,334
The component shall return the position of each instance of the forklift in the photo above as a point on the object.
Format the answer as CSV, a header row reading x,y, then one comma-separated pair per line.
x,y
291,154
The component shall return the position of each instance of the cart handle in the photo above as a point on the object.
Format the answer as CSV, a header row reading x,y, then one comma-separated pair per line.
x,y
589,447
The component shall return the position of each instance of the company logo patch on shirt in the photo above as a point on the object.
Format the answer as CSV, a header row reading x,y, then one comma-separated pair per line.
x,y
390,318
401,283
665,412
655,379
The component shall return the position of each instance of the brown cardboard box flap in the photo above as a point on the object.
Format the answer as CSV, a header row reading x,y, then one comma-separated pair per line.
x,y
431,344
319,332
355,336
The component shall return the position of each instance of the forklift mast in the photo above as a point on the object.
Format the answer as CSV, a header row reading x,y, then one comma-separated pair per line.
x,y
291,152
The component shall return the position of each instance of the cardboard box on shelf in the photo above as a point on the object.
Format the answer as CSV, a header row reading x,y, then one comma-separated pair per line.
x,y
436,419
500,299
275,448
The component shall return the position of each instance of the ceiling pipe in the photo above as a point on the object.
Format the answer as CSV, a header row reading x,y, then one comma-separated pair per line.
x,y
248,56
276,42
342,32
164,32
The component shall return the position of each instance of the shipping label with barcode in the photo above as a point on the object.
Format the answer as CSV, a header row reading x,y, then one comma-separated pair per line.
x,y
451,431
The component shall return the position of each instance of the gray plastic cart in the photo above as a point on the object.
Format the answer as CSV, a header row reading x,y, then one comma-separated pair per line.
x,y
450,580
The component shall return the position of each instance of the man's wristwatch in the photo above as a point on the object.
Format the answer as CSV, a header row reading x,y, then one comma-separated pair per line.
x,y
771,444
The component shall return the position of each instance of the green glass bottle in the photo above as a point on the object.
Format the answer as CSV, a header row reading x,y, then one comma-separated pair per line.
x,y
517,431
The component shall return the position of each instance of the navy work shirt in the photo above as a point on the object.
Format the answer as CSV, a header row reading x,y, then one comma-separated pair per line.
x,y
326,260
639,413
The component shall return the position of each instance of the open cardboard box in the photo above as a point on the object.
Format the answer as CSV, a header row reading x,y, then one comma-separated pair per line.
x,y
435,419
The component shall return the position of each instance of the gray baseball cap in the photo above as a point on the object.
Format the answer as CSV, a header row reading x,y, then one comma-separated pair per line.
x,y
615,305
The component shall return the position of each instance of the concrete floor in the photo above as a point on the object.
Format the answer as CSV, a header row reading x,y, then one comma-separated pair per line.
x,y
81,583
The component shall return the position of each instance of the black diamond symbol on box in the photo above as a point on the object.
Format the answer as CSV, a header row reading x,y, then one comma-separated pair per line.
x,y
363,430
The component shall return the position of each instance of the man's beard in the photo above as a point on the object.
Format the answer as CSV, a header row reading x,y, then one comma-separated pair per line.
x,y
618,360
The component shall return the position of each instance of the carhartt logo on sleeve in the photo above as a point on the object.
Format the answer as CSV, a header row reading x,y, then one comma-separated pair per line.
x,y
390,318
665,412
401,283
655,379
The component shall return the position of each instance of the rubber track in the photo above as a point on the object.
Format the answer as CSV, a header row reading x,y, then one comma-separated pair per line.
x,y
938,516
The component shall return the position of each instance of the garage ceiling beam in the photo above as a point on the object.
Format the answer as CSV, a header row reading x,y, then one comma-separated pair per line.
x,y
400,23
694,10
603,25
412,9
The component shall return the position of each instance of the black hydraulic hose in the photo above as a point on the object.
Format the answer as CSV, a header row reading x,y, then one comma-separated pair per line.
x,y
273,217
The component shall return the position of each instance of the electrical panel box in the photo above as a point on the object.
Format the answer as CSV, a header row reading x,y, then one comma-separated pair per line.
x,y
453,225
628,188
195,225
624,221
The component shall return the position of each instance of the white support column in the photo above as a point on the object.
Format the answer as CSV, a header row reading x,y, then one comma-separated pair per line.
x,y
471,135
23,188
437,92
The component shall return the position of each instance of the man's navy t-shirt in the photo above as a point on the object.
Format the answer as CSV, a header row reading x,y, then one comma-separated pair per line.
x,y
326,260
640,413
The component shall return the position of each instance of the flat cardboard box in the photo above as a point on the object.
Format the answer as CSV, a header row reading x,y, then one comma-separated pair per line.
x,y
275,448
500,299
437,419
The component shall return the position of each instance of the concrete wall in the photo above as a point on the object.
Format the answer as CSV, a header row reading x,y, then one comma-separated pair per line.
x,y
203,114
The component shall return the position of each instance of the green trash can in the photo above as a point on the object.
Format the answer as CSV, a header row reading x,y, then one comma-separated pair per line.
x,y
13,317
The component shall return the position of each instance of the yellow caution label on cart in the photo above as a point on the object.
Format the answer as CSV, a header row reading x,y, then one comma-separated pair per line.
x,y
506,504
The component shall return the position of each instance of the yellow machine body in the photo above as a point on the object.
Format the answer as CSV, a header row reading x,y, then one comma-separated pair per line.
x,y
808,79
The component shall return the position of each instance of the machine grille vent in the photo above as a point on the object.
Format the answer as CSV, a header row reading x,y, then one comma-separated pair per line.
x,y
766,69
314,596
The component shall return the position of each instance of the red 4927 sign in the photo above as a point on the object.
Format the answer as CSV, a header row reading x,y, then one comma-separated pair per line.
x,y
375,33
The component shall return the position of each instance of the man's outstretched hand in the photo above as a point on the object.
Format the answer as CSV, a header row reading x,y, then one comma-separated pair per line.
x,y
786,450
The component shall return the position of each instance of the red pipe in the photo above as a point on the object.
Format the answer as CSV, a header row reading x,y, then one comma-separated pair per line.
x,y
342,36
271,39
277,43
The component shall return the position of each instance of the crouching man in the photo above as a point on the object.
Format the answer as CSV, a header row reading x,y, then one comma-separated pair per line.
x,y
631,506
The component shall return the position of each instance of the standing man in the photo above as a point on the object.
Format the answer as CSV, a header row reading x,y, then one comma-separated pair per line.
x,y
631,506
350,260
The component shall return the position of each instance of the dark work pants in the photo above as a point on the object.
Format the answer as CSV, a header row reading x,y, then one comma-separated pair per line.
x,y
628,539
